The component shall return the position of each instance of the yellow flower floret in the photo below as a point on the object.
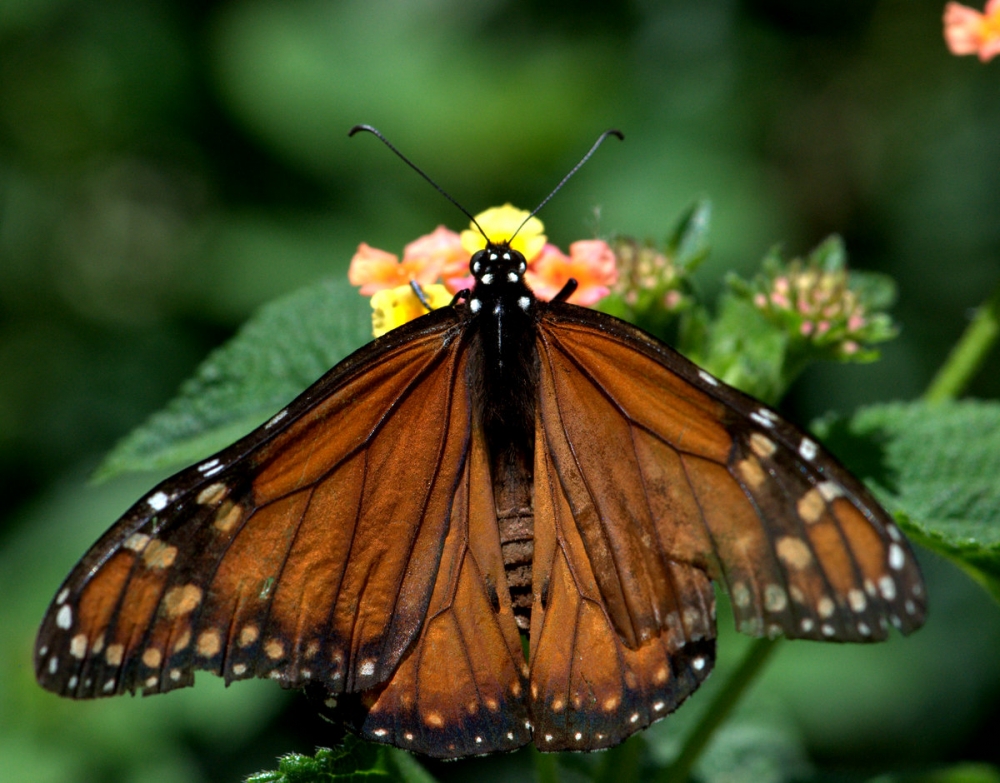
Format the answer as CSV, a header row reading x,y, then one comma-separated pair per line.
x,y
500,223
394,307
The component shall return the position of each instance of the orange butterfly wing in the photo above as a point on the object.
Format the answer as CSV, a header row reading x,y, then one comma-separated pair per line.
x,y
306,552
460,691
650,477
726,485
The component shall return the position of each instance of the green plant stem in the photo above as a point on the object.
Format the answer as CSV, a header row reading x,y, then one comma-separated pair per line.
x,y
546,766
622,764
968,354
756,655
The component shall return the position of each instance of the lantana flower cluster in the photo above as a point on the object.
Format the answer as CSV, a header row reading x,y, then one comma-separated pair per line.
x,y
967,31
648,278
439,264
814,299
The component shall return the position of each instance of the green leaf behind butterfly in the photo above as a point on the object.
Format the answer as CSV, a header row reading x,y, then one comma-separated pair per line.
x,y
286,346
937,467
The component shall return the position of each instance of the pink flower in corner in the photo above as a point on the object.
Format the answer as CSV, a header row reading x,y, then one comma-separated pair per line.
x,y
590,262
967,31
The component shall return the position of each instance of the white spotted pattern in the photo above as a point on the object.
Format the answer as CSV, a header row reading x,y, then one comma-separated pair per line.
x,y
524,303
761,419
486,279
63,595
807,449
512,277
707,378
158,501
896,557
65,618
276,418
367,668
475,305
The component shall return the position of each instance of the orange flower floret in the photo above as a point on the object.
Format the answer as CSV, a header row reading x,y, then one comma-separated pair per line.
x,y
425,260
590,262
967,31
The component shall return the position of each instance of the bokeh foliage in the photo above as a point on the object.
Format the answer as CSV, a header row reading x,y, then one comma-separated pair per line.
x,y
168,167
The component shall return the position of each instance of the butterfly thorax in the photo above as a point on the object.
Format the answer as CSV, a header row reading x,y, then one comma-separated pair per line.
x,y
503,309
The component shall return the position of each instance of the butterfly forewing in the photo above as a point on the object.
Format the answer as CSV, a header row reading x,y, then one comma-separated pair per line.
x,y
215,571
802,547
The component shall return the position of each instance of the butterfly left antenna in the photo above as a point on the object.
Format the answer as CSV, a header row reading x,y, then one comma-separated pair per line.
x,y
572,171
378,134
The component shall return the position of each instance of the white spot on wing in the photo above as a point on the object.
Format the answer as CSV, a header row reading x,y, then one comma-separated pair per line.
x,y
276,418
512,277
887,587
65,618
63,595
78,646
698,663
830,490
807,449
158,501
524,303
707,378
486,279
896,557
367,668
762,420
475,305
53,665
208,465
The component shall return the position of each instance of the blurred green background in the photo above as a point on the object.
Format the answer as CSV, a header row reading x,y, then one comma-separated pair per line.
x,y
167,167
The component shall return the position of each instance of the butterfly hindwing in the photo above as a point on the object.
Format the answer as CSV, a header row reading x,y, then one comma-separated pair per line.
x,y
800,544
460,689
590,688
255,563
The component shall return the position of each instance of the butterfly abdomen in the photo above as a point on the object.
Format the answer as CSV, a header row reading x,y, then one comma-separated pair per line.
x,y
504,375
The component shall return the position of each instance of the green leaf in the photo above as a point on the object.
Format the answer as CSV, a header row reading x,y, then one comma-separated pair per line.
x,y
744,349
286,346
355,761
968,772
407,768
936,467
687,244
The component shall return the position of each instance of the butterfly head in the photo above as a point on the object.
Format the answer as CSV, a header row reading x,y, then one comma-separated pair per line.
x,y
499,273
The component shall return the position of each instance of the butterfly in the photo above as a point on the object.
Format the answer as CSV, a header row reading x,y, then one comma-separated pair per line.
x,y
500,470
